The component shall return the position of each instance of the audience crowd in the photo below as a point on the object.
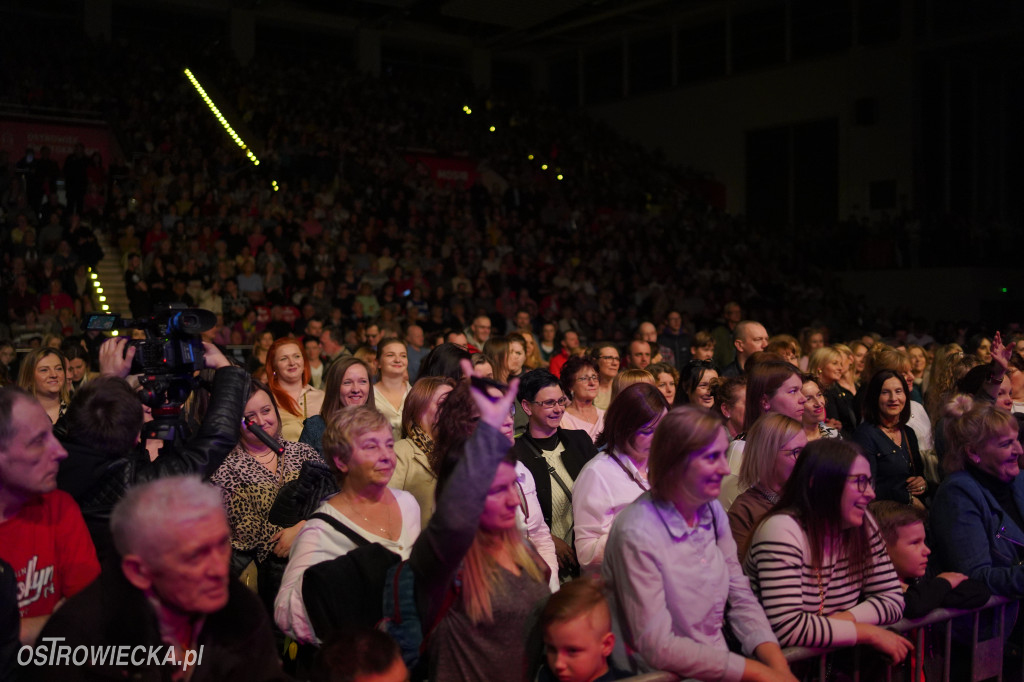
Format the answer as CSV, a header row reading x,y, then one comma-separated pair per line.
x,y
464,395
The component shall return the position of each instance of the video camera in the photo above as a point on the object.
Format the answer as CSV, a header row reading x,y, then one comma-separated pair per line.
x,y
166,359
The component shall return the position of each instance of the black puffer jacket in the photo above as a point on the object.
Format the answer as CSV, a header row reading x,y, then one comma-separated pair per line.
x,y
98,479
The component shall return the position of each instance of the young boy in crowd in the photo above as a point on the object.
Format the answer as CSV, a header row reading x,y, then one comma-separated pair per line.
x,y
361,655
578,639
902,529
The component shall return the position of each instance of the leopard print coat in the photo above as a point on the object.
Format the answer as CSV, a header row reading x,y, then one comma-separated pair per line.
x,y
249,490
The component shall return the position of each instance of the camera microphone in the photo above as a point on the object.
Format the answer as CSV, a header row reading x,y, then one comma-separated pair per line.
x,y
263,436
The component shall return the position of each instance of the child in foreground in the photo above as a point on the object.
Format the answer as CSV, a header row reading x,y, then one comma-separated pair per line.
x,y
902,529
578,639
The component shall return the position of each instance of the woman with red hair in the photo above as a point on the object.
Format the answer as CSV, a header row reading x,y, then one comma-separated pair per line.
x,y
288,378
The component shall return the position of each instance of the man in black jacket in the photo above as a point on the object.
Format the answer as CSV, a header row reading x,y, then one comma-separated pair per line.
x,y
553,455
102,432
169,602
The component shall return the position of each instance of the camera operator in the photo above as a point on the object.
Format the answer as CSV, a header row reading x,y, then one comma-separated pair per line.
x,y
103,437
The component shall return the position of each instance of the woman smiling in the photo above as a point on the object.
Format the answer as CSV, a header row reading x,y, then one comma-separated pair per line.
x,y
346,384
288,378
889,444
670,564
580,382
359,450
977,522
698,379
829,366
44,374
250,479
618,475
390,392
820,540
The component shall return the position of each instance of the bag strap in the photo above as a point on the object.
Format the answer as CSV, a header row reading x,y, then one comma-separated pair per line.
x,y
341,528
560,482
626,470
535,451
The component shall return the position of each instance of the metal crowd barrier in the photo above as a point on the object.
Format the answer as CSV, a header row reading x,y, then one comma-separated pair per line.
x,y
935,629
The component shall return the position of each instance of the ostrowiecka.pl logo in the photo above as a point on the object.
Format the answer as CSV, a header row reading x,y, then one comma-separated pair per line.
x,y
50,652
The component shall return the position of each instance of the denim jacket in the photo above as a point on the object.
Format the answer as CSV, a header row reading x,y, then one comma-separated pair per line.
x,y
973,535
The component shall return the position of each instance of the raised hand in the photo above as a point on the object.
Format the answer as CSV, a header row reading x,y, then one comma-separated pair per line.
x,y
493,410
1000,352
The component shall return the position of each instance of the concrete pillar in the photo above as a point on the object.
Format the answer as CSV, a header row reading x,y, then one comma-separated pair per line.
x,y
368,51
96,19
480,68
242,34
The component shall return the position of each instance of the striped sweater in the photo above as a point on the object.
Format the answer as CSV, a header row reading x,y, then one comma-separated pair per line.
x,y
781,575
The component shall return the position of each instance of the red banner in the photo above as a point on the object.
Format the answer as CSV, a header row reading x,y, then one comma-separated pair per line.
x,y
17,135
445,170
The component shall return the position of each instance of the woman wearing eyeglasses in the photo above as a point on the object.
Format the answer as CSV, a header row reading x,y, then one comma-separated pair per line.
x,y
554,456
608,363
773,444
977,521
818,563
580,382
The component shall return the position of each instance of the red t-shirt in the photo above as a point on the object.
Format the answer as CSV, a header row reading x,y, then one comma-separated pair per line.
x,y
50,550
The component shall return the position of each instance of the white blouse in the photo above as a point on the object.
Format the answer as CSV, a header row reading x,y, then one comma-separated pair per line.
x,y
601,491
318,541
388,410
530,522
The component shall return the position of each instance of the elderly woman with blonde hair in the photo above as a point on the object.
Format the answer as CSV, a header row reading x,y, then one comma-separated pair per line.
x,y
829,366
359,450
976,520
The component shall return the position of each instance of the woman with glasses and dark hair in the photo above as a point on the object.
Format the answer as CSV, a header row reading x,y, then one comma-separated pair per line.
x,y
618,474
820,540
580,382
554,456
670,566
977,519
609,361
889,444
